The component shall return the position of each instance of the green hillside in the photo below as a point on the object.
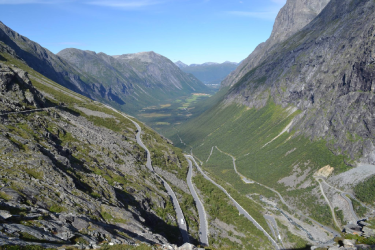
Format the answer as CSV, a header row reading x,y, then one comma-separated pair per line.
x,y
244,134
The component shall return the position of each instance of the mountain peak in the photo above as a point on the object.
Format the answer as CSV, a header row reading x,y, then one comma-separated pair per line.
x,y
147,56
181,64
210,63
295,15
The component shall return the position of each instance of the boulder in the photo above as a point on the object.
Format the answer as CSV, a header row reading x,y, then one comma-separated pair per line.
x,y
5,214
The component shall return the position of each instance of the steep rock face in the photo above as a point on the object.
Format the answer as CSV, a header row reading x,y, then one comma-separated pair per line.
x,y
42,60
295,15
327,70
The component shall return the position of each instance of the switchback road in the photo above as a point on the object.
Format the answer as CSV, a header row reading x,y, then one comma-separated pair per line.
x,y
179,214
238,206
334,232
203,225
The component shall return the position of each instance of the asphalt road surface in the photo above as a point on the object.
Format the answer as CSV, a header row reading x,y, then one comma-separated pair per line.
x,y
328,202
334,232
179,214
343,195
238,206
203,225
274,226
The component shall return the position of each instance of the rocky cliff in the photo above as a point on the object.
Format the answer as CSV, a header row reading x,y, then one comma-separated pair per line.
x,y
42,60
328,73
295,15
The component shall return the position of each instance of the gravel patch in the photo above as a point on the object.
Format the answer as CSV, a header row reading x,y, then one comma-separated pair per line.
x,y
94,113
349,179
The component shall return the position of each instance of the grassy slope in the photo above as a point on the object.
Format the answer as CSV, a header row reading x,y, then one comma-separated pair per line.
x,y
243,132
218,206
200,107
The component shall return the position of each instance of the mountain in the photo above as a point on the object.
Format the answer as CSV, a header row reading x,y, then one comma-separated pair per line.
x,y
181,64
285,155
210,72
42,60
76,173
133,81
290,19
295,124
322,74
129,82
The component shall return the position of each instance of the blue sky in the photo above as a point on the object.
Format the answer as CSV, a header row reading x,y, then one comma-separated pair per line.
x,y
193,31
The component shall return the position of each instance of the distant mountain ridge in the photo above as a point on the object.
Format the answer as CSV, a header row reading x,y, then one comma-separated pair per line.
x,y
129,82
181,64
209,72
144,77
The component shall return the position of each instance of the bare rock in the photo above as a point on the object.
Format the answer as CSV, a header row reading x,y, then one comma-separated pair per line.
x,y
5,214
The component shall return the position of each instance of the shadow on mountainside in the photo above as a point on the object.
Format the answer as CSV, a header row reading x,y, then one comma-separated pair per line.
x,y
40,65
308,247
155,223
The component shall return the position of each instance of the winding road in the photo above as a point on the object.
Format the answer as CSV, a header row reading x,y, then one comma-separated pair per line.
x,y
344,195
334,232
243,178
273,226
203,224
328,202
238,206
179,214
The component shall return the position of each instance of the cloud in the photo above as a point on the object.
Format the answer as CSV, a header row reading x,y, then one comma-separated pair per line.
x,y
125,4
267,15
33,1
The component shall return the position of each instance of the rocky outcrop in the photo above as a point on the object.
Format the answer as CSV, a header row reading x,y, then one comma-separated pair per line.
x,y
327,71
295,15
17,92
